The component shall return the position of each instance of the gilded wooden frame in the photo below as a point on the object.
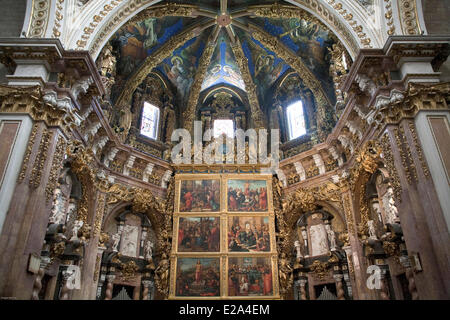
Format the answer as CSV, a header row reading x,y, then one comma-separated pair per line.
x,y
196,177
224,254
260,177
275,285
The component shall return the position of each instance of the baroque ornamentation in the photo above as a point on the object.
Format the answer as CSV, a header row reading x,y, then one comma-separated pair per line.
x,y
128,270
128,9
409,18
189,113
418,148
58,18
30,145
389,18
367,162
58,158
389,163
96,19
38,167
39,18
328,15
30,100
242,62
417,97
151,62
319,269
348,16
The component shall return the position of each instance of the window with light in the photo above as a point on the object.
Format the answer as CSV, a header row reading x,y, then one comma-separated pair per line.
x,y
150,120
223,126
296,120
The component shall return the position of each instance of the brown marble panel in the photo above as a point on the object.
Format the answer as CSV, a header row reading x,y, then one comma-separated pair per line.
x,y
441,134
8,133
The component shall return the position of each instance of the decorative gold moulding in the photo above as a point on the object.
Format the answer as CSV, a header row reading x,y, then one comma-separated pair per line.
x,y
224,254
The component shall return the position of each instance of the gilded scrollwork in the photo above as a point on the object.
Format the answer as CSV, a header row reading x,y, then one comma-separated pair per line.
x,y
390,166
418,148
241,60
56,166
189,113
41,158
26,159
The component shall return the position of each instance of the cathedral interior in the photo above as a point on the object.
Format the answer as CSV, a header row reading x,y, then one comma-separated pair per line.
x,y
320,159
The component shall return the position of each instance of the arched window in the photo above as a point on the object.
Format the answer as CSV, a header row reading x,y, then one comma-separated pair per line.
x,y
223,126
150,121
296,120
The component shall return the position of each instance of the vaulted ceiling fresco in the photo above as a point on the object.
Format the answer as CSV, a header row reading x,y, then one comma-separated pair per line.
x,y
264,65
309,41
180,67
137,40
209,45
223,67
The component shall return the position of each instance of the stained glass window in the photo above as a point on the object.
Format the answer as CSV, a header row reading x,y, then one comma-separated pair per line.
x,y
296,120
149,122
223,126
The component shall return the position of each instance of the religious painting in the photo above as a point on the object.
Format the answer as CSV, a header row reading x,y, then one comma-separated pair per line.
x,y
247,196
223,67
198,277
199,234
250,276
309,40
181,66
248,234
199,196
264,65
137,40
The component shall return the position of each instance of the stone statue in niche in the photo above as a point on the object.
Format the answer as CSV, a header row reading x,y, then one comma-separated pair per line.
x,y
389,207
371,227
128,246
148,250
58,215
319,240
376,208
331,236
71,210
116,240
168,122
297,249
76,228
305,239
106,64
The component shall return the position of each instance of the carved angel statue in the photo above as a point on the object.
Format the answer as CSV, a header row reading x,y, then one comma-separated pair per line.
x,y
162,273
297,248
107,62
371,227
58,215
331,237
286,275
390,208
116,240
366,84
76,228
149,250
